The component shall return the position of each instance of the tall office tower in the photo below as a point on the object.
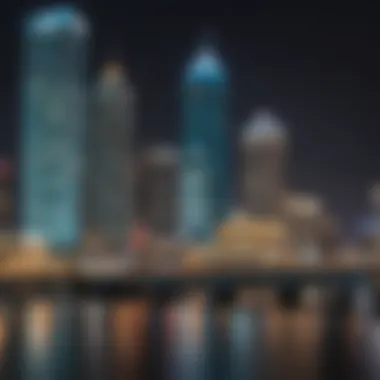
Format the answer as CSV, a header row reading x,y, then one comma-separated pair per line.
x,y
109,195
204,139
53,124
263,143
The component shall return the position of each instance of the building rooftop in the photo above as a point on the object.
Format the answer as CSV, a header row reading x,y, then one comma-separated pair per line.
x,y
205,66
263,127
114,81
113,73
112,70
57,20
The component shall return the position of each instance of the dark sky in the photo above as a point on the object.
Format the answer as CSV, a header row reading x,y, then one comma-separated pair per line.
x,y
317,64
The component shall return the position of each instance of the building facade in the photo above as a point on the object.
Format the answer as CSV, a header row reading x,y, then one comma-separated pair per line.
x,y
263,146
109,154
53,117
204,129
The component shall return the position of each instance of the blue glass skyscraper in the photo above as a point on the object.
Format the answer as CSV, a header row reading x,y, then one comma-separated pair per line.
x,y
204,138
53,124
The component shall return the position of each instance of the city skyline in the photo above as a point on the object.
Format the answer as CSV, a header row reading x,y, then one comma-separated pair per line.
x,y
272,228
323,80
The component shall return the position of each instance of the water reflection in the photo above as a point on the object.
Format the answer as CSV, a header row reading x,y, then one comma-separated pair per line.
x,y
36,359
264,340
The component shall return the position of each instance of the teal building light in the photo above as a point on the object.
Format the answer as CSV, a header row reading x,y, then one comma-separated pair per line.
x,y
53,118
204,126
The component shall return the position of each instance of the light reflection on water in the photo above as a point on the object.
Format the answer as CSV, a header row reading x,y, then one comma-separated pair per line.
x,y
37,339
290,345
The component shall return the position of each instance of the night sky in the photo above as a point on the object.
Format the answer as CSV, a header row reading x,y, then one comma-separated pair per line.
x,y
317,65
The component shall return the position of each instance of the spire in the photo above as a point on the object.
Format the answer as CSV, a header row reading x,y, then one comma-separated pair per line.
x,y
206,65
56,20
264,127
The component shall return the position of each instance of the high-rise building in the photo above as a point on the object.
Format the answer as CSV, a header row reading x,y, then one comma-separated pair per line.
x,y
53,117
204,131
109,165
263,143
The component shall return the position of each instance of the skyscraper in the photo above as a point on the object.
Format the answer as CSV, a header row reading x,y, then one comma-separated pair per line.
x,y
53,124
204,131
109,195
263,144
